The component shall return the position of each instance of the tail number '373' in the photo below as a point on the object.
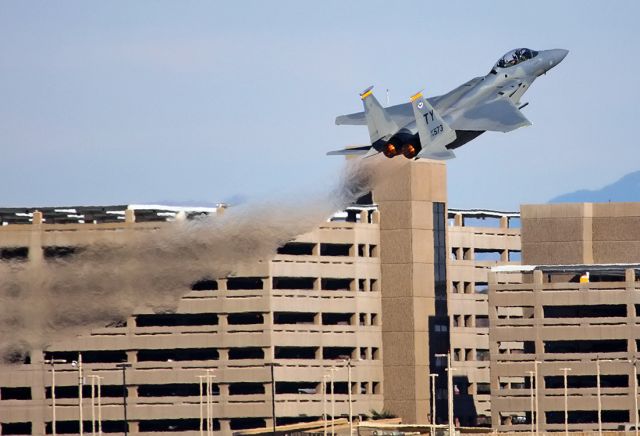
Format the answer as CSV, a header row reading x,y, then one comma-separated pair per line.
x,y
436,130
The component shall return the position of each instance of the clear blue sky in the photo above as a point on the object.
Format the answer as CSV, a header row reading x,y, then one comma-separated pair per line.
x,y
120,102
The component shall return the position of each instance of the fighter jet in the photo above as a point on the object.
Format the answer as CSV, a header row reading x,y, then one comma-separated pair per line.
x,y
432,128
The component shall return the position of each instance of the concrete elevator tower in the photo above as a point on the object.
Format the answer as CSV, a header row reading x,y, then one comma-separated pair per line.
x,y
413,256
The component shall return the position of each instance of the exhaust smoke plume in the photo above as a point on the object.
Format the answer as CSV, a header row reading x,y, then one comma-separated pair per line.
x,y
41,302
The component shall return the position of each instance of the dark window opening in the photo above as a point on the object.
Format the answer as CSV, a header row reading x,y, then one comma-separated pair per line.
x,y
173,390
293,318
296,420
375,354
294,282
586,346
337,318
71,427
587,416
586,381
483,355
595,311
373,251
59,251
20,393
16,428
339,387
297,249
245,318
244,283
246,389
14,253
336,284
297,388
332,353
178,354
361,250
335,249
246,353
111,391
205,285
166,425
482,321
89,356
176,319
295,352
246,423
483,388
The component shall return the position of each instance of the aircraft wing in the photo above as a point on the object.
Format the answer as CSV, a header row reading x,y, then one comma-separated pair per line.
x,y
497,115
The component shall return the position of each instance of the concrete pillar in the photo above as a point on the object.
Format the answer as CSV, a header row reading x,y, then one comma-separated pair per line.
x,y
129,216
504,222
457,220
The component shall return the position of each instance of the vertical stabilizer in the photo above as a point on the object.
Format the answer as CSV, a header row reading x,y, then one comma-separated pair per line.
x,y
434,132
380,124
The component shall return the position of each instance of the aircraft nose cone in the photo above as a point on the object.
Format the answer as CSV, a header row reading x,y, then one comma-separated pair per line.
x,y
559,54
552,58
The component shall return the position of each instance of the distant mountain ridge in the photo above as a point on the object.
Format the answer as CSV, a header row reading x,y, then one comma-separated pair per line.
x,y
625,189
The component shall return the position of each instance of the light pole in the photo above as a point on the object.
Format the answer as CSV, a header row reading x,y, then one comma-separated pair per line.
x,y
433,403
273,395
535,367
449,390
324,402
200,383
53,362
78,364
598,393
566,408
635,393
210,376
332,371
124,367
350,402
531,393
94,379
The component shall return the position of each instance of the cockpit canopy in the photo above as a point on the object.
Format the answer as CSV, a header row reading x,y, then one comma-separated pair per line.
x,y
514,57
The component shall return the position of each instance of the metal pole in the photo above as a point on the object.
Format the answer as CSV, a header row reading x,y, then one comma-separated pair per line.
x,y
210,378
80,386
53,362
350,403
635,393
599,400
537,396
124,367
99,406
324,403
273,400
333,402
433,403
53,398
201,406
566,404
450,393
533,429
93,405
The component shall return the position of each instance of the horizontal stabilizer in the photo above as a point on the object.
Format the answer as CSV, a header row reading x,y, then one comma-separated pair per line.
x,y
351,151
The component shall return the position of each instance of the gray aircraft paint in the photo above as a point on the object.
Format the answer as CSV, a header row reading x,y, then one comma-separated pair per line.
x,y
489,103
